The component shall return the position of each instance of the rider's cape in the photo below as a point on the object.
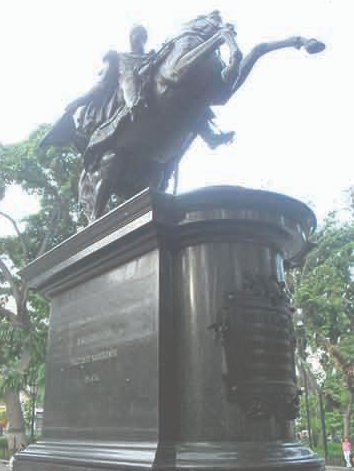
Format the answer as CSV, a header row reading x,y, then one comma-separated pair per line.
x,y
145,71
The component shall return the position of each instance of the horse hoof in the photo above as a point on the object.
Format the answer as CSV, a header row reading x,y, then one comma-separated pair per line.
x,y
313,46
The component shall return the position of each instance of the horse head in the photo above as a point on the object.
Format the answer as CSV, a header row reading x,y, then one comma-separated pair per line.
x,y
204,26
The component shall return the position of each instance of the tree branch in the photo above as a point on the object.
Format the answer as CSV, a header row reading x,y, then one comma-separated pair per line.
x,y
24,361
8,315
18,233
10,279
340,360
52,225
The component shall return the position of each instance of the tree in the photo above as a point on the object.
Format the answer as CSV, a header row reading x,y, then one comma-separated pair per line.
x,y
51,176
325,292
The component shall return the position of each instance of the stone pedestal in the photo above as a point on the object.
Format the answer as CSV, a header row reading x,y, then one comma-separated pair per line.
x,y
171,338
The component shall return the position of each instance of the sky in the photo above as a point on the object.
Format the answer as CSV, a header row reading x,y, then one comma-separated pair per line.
x,y
292,117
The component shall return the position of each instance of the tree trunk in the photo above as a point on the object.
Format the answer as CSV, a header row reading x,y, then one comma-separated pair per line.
x,y
347,416
16,432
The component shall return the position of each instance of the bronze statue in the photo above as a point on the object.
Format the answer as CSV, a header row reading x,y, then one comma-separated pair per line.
x,y
135,125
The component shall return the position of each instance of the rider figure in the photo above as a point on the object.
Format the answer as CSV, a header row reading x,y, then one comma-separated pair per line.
x,y
120,77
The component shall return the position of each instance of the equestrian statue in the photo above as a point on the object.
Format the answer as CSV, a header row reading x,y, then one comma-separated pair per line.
x,y
134,126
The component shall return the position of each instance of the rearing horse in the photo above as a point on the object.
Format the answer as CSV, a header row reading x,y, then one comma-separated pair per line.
x,y
140,146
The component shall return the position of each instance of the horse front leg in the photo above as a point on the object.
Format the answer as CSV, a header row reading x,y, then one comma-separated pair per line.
x,y
312,46
231,72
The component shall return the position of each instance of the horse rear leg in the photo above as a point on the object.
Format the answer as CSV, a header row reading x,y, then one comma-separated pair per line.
x,y
106,176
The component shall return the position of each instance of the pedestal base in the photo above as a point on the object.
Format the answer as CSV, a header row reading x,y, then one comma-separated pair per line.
x,y
171,340
249,456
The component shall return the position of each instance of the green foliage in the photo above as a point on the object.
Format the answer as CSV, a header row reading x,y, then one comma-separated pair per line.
x,y
325,292
27,412
3,416
3,448
52,177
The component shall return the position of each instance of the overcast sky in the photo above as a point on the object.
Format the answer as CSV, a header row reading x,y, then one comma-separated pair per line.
x,y
293,117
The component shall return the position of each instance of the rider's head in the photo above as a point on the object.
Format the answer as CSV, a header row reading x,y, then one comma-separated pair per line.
x,y
138,37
